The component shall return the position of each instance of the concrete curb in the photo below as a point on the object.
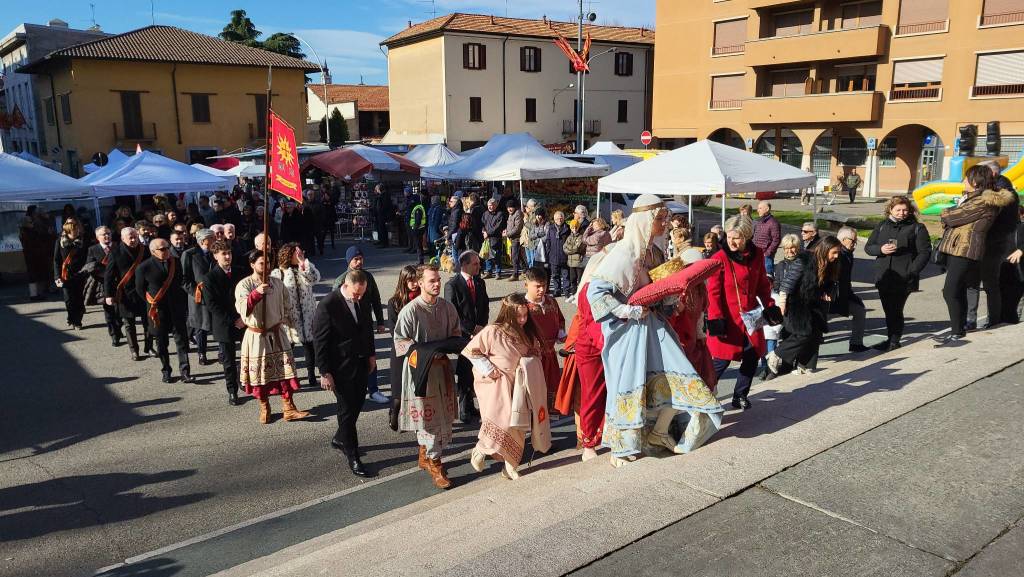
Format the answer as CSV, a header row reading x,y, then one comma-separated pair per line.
x,y
563,514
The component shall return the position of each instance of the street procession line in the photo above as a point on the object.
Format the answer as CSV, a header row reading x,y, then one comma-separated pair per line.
x,y
286,511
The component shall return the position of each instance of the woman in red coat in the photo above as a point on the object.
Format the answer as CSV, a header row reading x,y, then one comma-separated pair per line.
x,y
737,287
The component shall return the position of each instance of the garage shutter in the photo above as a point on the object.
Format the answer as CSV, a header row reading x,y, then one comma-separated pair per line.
x,y
917,71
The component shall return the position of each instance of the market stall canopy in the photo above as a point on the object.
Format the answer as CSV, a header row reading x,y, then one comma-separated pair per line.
x,y
150,173
414,138
114,158
29,157
21,180
222,163
229,178
707,168
605,147
352,162
432,155
253,170
511,157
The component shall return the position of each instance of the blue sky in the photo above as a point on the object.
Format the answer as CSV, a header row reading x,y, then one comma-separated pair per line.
x,y
344,32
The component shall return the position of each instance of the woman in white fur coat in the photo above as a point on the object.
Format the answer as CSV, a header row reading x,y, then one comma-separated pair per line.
x,y
299,275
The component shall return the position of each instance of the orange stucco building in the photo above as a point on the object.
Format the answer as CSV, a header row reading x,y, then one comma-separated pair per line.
x,y
828,85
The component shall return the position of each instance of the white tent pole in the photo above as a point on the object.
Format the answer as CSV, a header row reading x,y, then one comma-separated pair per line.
x,y
522,202
723,209
689,207
599,199
96,209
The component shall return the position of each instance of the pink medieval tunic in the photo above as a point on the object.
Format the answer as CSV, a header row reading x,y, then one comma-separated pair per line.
x,y
515,402
268,366
550,323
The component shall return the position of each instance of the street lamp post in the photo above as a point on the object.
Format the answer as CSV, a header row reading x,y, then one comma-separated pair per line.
x,y
583,99
323,83
579,85
559,91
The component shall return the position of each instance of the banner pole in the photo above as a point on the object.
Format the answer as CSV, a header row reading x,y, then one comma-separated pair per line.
x,y
266,179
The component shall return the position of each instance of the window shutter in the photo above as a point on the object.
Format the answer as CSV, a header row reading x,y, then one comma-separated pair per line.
x,y
522,59
730,36
727,88
793,23
914,12
1001,7
917,71
536,58
483,56
1000,69
791,83
871,14
465,55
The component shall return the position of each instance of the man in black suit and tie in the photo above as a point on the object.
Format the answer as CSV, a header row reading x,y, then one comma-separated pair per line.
x,y
218,292
468,292
159,286
344,352
101,254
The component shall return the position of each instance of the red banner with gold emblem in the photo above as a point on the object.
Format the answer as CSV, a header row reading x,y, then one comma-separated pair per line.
x,y
283,173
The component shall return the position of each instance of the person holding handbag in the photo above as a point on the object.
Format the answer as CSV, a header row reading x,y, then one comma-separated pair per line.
x,y
739,288
809,287
901,249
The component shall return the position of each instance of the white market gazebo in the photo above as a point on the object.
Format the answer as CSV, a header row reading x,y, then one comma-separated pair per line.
x,y
21,180
151,173
705,168
433,155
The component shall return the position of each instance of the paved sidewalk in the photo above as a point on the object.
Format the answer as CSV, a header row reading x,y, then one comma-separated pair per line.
x,y
906,463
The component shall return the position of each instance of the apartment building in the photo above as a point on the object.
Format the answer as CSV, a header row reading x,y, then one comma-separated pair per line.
x,y
461,78
185,95
20,108
829,85
363,107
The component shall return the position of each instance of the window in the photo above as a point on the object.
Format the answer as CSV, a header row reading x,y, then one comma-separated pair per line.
x,y
855,78
923,16
474,56
998,12
887,153
623,111
476,113
623,64
131,112
48,106
853,151
531,110
726,91
529,59
65,107
999,74
862,15
730,36
793,23
261,115
789,82
201,108
916,79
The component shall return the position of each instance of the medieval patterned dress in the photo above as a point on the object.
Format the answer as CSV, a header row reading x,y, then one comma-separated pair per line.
x,y
431,416
646,370
550,324
268,366
515,402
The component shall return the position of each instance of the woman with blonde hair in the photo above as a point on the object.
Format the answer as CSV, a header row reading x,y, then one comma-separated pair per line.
x,y
299,275
618,225
69,257
510,387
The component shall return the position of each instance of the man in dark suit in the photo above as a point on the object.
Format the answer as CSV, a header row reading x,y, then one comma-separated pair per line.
x,y
226,325
468,292
159,285
196,262
343,341
119,287
98,257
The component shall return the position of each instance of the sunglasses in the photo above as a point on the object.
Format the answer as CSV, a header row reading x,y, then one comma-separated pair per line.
x,y
807,231
161,249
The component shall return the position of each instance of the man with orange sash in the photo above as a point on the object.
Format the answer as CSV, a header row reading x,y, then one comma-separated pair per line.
x,y
158,282
119,287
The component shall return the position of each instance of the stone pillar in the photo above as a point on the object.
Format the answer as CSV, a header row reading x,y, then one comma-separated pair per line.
x,y
871,176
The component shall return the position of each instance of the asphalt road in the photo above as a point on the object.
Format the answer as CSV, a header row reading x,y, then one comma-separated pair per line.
x,y
102,462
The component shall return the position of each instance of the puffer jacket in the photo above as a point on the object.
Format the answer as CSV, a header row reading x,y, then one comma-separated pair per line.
x,y
966,226
806,309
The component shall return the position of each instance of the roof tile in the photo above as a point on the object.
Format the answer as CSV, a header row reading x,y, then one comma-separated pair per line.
x,y
479,23
368,98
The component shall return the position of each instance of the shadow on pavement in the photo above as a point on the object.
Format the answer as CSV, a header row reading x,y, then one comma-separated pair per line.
x,y
51,401
84,501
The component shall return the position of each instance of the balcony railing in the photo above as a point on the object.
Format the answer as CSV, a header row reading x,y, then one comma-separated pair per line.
x,y
592,127
721,50
922,27
726,104
143,133
1004,18
897,94
999,90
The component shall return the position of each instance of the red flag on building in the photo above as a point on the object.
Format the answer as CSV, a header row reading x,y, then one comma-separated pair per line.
x,y
283,173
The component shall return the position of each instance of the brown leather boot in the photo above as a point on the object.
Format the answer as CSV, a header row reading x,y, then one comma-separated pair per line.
x,y
265,411
290,412
423,461
436,469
